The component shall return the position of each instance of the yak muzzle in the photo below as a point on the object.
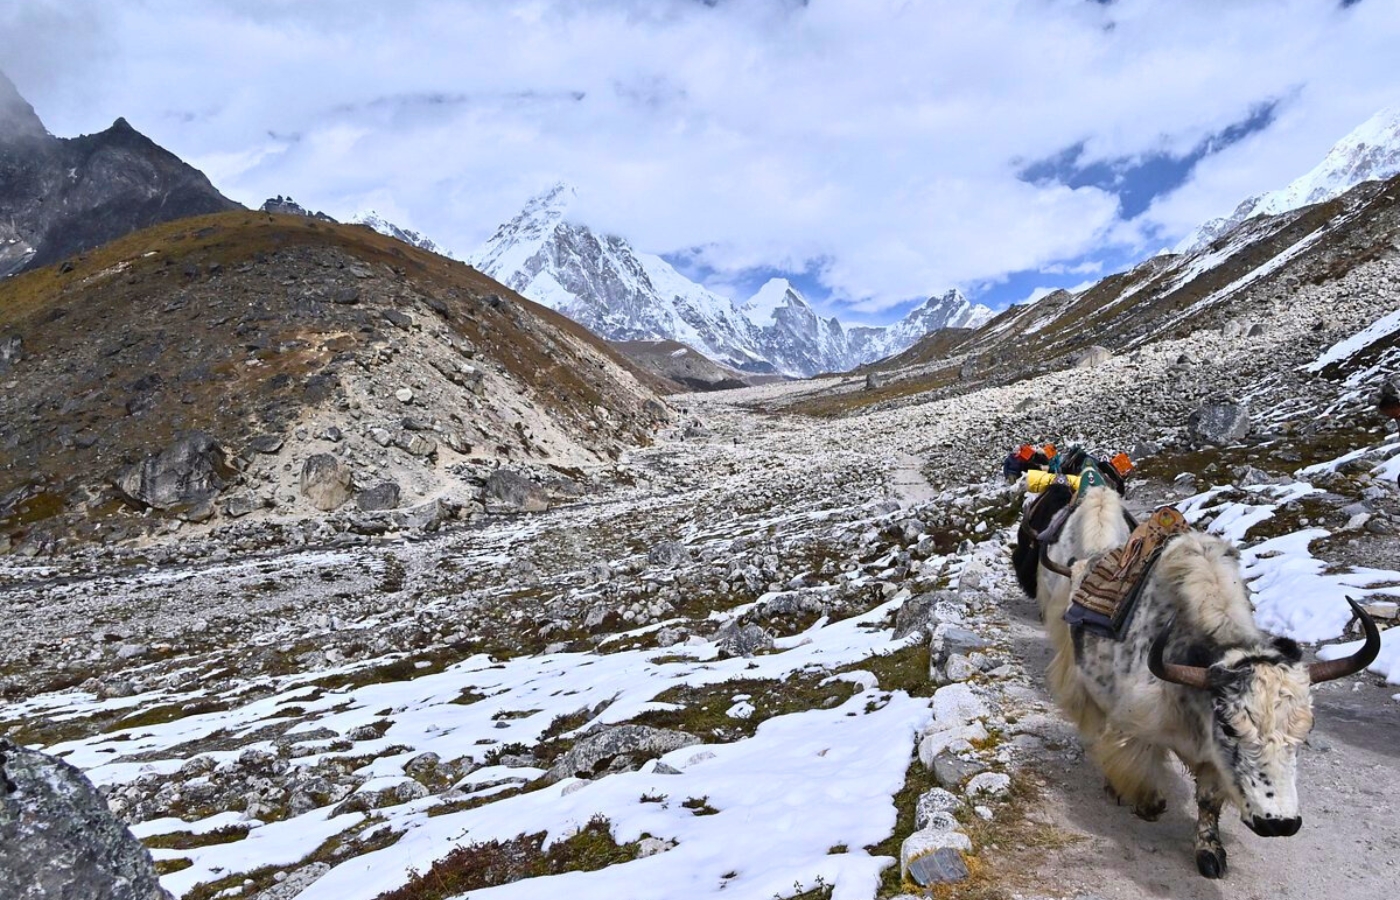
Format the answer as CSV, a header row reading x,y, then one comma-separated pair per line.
x,y
1273,827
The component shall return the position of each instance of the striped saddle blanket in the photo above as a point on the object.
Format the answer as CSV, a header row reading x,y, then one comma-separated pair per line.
x,y
1105,597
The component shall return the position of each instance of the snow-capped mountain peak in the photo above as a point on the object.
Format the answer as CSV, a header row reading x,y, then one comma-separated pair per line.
x,y
762,308
1369,152
371,219
603,283
520,239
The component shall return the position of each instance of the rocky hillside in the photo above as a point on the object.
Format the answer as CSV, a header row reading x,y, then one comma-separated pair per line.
x,y
1243,286
602,282
60,196
278,367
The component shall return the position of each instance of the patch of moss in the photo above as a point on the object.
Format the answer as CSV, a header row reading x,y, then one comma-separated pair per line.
x,y
186,840
704,711
166,866
477,867
905,670
158,715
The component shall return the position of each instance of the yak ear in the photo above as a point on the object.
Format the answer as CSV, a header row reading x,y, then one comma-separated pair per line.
x,y
1289,648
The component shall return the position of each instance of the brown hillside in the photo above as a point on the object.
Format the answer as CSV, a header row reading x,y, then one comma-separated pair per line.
x,y
247,324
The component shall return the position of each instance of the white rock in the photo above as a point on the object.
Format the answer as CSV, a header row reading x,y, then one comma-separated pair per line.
x,y
959,668
956,704
404,394
927,841
957,739
992,784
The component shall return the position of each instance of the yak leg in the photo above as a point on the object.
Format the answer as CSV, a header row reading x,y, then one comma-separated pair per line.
x,y
1134,771
1210,797
1067,686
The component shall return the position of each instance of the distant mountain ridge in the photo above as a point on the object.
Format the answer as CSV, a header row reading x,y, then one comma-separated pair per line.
x,y
63,196
625,295
371,219
1370,152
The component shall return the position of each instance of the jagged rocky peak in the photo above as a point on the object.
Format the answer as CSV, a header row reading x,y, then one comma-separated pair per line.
x,y
288,207
777,293
17,117
1370,152
515,241
948,310
63,196
373,220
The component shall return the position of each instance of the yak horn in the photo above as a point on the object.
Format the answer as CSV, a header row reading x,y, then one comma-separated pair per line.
x,y
1053,566
1186,676
1341,668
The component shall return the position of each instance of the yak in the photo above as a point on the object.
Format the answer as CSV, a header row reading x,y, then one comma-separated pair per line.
x,y
1190,674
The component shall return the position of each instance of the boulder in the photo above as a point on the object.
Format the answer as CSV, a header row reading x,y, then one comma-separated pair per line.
x,y
384,495
932,856
876,380
427,517
325,481
1093,356
509,491
592,754
190,471
241,504
916,614
668,554
266,443
932,803
1218,421
734,640
58,838
951,770
415,444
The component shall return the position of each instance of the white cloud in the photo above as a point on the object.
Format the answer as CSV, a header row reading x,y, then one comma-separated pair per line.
x,y
880,137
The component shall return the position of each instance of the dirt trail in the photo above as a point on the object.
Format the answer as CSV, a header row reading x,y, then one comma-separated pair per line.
x,y
907,479
1349,781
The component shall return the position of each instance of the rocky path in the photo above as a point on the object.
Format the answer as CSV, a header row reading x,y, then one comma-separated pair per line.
x,y
1349,780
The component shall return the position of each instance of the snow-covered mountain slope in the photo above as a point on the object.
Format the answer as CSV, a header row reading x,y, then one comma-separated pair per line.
x,y
624,295
1236,289
1369,153
371,219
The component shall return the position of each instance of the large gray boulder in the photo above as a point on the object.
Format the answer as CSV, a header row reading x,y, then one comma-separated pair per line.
x,y
191,471
1219,421
325,481
58,840
384,495
592,755
508,491
742,640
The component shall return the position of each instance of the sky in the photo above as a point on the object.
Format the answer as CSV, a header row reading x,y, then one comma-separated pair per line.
x,y
875,151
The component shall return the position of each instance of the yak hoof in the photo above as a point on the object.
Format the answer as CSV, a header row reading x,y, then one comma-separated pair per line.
x,y
1151,810
1111,792
1211,863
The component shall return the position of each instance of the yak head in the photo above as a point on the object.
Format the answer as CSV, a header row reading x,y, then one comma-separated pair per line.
x,y
1261,711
